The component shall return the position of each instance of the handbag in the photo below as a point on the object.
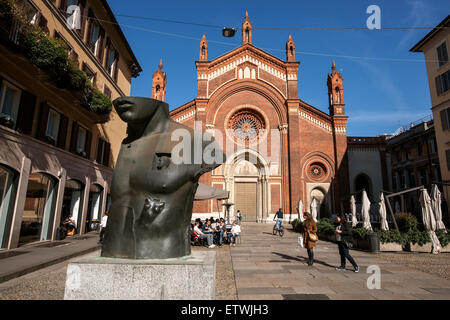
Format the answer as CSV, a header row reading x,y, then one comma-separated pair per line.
x,y
312,236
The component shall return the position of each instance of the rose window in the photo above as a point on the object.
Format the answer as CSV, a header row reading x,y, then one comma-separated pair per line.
x,y
317,171
246,125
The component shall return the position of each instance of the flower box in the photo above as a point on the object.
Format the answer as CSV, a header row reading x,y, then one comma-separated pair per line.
x,y
418,248
390,247
363,244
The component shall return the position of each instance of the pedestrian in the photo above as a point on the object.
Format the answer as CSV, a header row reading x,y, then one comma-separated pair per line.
x,y
344,240
239,217
279,216
103,226
309,236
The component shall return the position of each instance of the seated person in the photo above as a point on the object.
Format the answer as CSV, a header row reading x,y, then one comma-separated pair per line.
x,y
235,232
222,230
207,226
214,223
200,234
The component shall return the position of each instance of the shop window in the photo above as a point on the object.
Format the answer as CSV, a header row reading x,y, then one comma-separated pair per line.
x,y
94,212
39,209
8,186
72,205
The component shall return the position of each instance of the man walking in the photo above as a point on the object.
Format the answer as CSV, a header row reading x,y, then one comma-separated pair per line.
x,y
103,226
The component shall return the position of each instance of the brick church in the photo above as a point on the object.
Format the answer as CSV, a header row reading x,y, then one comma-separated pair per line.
x,y
280,149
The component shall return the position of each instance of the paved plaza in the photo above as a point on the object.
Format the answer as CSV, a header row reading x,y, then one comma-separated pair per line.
x,y
262,267
270,267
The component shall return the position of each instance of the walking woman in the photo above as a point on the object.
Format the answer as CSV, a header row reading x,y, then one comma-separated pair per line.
x,y
309,236
344,238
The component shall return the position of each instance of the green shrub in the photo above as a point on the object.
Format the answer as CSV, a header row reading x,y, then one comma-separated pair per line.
x,y
406,222
325,226
360,233
443,236
418,237
392,236
100,103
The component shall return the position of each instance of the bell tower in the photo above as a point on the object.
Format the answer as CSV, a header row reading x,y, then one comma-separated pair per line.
x,y
246,30
203,49
335,92
159,83
290,49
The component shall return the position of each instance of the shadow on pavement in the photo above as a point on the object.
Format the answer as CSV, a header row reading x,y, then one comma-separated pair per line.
x,y
303,259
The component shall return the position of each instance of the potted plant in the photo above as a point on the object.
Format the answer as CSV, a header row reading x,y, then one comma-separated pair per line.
x,y
360,238
415,240
444,238
325,229
391,240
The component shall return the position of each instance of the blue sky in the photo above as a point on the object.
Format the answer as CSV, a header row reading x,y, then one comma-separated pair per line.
x,y
380,95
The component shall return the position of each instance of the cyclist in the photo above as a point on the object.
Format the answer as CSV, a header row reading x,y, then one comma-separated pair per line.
x,y
279,216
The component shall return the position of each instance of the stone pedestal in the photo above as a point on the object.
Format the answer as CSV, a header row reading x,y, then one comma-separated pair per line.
x,y
98,278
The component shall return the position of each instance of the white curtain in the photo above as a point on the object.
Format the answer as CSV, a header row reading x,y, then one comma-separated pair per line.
x,y
382,212
428,219
365,209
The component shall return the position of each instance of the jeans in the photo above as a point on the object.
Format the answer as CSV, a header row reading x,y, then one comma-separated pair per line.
x,y
221,236
278,223
343,251
232,237
209,238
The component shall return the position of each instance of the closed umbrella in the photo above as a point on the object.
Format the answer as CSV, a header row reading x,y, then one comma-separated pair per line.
x,y
353,209
300,210
314,209
428,219
382,212
436,205
365,211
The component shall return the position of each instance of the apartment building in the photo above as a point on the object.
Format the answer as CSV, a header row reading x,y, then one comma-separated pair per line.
x,y
57,149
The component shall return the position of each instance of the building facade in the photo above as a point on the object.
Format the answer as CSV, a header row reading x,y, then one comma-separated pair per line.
x,y
279,148
56,156
435,46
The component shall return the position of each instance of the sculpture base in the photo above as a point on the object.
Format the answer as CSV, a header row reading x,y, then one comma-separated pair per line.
x,y
98,278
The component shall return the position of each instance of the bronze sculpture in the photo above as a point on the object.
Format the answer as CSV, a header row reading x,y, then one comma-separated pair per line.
x,y
152,195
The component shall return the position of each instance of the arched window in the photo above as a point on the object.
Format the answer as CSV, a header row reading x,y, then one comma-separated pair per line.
x,y
203,49
8,187
362,181
247,34
338,95
73,203
291,50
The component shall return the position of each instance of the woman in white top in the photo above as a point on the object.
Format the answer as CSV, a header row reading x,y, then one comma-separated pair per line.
x,y
235,232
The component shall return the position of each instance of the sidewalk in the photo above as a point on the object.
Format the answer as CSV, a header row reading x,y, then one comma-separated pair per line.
x,y
269,267
26,259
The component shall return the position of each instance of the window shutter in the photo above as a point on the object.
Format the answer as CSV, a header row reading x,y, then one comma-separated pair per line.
x,y
447,156
82,5
438,85
62,132
63,6
116,68
108,46
90,22
26,112
99,150
88,144
43,119
444,119
74,137
106,154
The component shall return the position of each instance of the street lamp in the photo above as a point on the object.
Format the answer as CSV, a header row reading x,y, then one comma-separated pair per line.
x,y
228,32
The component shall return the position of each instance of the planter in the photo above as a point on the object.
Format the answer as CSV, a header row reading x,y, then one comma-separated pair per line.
x,y
390,246
363,244
446,248
426,248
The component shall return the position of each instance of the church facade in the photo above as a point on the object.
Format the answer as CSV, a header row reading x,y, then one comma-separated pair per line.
x,y
280,149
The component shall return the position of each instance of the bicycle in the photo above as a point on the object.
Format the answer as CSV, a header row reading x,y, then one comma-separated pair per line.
x,y
280,230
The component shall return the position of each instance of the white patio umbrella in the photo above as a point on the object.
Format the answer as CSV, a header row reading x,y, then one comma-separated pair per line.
x,y
353,210
436,205
314,206
365,208
382,212
428,219
300,210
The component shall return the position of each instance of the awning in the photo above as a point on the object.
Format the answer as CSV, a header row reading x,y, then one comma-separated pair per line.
x,y
205,192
